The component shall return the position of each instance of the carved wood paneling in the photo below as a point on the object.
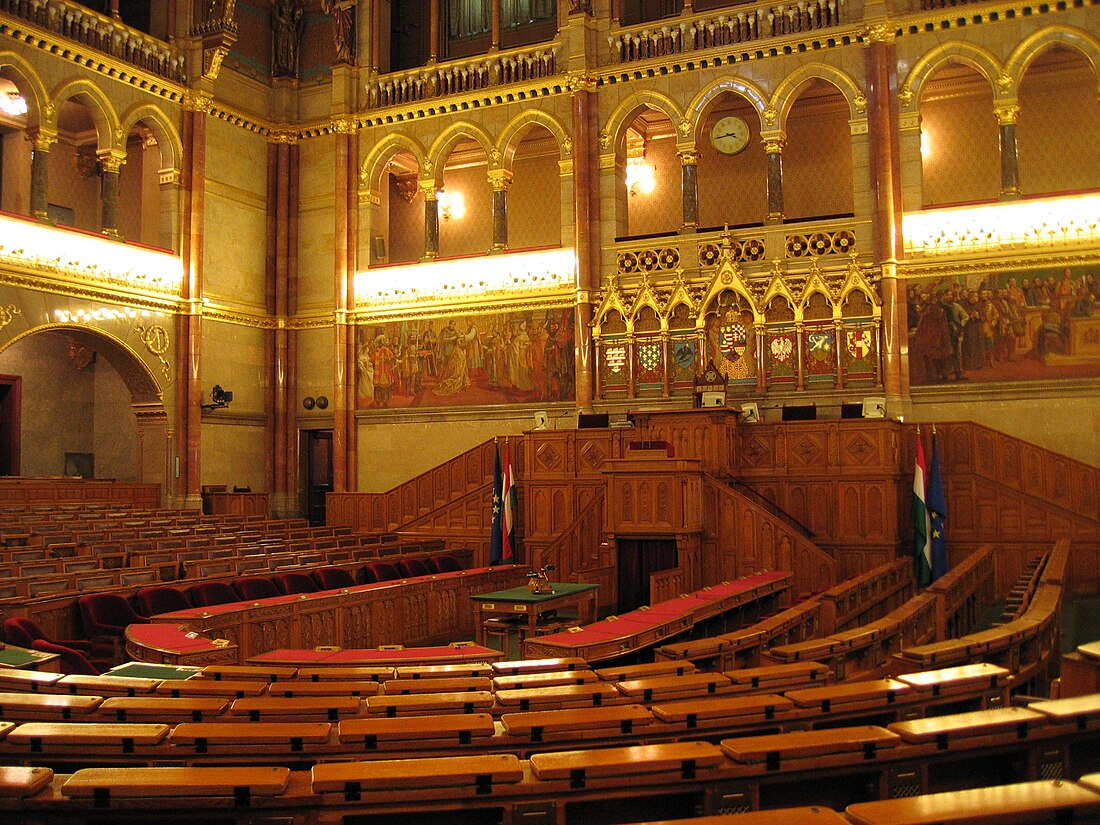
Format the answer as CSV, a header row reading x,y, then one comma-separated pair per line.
x,y
43,491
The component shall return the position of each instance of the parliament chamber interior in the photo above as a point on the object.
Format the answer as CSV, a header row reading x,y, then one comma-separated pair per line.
x,y
549,412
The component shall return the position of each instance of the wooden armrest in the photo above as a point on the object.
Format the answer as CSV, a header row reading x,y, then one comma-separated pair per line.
x,y
51,705
19,783
649,688
942,729
53,735
448,684
539,665
622,674
477,774
551,678
162,708
845,694
30,681
354,674
330,688
211,687
862,740
415,703
593,694
106,685
203,734
247,672
956,679
684,758
724,710
1082,711
456,670
461,728
617,719
332,708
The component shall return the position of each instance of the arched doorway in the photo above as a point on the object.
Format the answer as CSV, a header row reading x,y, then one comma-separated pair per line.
x,y
88,406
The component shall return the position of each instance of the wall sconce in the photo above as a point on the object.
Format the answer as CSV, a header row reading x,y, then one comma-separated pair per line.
x,y
451,205
13,104
219,398
641,177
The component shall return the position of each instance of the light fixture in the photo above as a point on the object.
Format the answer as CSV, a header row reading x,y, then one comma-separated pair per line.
x,y
641,177
219,398
451,205
13,104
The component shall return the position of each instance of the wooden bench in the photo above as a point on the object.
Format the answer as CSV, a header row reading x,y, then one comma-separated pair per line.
x,y
954,680
551,678
593,694
1025,803
21,782
456,684
786,816
457,670
811,750
625,672
255,737
771,678
247,672
105,685
211,687
1083,712
298,708
458,776
985,725
46,706
31,681
345,674
577,724
60,739
669,688
162,708
418,732
850,696
602,767
539,666
415,704
298,687
724,711
240,785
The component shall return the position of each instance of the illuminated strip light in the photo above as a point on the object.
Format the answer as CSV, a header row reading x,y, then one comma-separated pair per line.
x,y
522,273
101,313
29,245
1016,224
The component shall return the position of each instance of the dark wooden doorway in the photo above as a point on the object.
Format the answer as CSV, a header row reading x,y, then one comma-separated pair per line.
x,y
638,559
317,451
10,423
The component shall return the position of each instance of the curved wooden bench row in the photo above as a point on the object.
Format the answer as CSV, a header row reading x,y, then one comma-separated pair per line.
x,y
617,636
864,769
461,721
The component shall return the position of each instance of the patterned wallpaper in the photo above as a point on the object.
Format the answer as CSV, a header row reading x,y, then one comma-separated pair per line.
x,y
960,143
534,198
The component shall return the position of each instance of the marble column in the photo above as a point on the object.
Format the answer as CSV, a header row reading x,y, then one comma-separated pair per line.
x,y
376,36
585,220
433,32
499,180
883,139
40,174
494,27
431,219
169,227
109,192
1010,159
689,161
343,417
773,148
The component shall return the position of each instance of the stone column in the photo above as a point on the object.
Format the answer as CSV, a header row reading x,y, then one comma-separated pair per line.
x,y
838,339
111,163
40,174
494,27
499,180
689,161
431,219
343,413
1007,113
169,209
433,32
773,148
800,337
885,160
760,331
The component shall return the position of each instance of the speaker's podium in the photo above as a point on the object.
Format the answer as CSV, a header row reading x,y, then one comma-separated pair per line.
x,y
710,389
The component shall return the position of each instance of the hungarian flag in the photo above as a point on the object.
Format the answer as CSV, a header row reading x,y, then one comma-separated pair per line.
x,y
922,528
937,513
508,507
502,542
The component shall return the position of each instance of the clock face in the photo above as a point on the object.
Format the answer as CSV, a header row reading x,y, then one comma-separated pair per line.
x,y
730,135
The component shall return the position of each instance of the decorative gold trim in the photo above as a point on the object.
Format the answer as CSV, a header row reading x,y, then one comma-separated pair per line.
x,y
8,313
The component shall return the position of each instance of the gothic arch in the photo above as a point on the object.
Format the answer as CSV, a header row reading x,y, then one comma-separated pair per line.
x,y
32,87
626,111
787,92
448,139
1032,46
99,106
738,86
374,164
512,134
980,59
171,152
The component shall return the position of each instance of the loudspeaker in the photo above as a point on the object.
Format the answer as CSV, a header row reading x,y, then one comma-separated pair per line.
x,y
542,421
750,412
874,407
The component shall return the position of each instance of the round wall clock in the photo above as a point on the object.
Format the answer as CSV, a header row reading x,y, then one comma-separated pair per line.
x,y
730,135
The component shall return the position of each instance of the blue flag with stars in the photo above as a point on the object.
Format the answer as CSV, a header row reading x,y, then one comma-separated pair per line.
x,y
496,541
937,513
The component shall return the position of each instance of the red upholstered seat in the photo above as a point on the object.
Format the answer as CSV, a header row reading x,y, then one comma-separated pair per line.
x,y
411,568
381,571
255,587
107,615
295,582
333,578
72,661
444,564
205,594
23,632
154,600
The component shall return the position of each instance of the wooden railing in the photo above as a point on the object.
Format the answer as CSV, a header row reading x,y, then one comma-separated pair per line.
x,y
749,538
408,502
666,584
963,592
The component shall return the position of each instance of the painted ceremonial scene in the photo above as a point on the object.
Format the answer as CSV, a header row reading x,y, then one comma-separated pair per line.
x,y
504,358
1011,326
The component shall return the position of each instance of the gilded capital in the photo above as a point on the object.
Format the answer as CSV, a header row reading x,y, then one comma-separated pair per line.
x,y
43,141
689,157
905,97
112,161
195,100
342,125
773,143
580,81
1006,112
884,32
499,179
286,136
426,186
770,115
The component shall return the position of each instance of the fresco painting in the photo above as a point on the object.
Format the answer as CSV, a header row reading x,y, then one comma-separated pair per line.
x,y
475,360
1012,326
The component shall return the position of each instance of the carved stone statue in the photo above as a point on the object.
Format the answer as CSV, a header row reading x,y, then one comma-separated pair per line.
x,y
343,27
287,23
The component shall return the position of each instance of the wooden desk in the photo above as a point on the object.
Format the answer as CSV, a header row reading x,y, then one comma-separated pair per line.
x,y
519,601
236,504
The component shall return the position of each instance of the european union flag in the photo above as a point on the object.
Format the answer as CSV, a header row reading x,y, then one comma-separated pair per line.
x,y
496,540
937,513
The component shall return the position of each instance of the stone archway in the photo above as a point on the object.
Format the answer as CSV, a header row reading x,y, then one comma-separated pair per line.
x,y
71,410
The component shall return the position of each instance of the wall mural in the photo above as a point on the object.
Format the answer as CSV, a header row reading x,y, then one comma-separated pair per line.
x,y
502,358
1009,326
